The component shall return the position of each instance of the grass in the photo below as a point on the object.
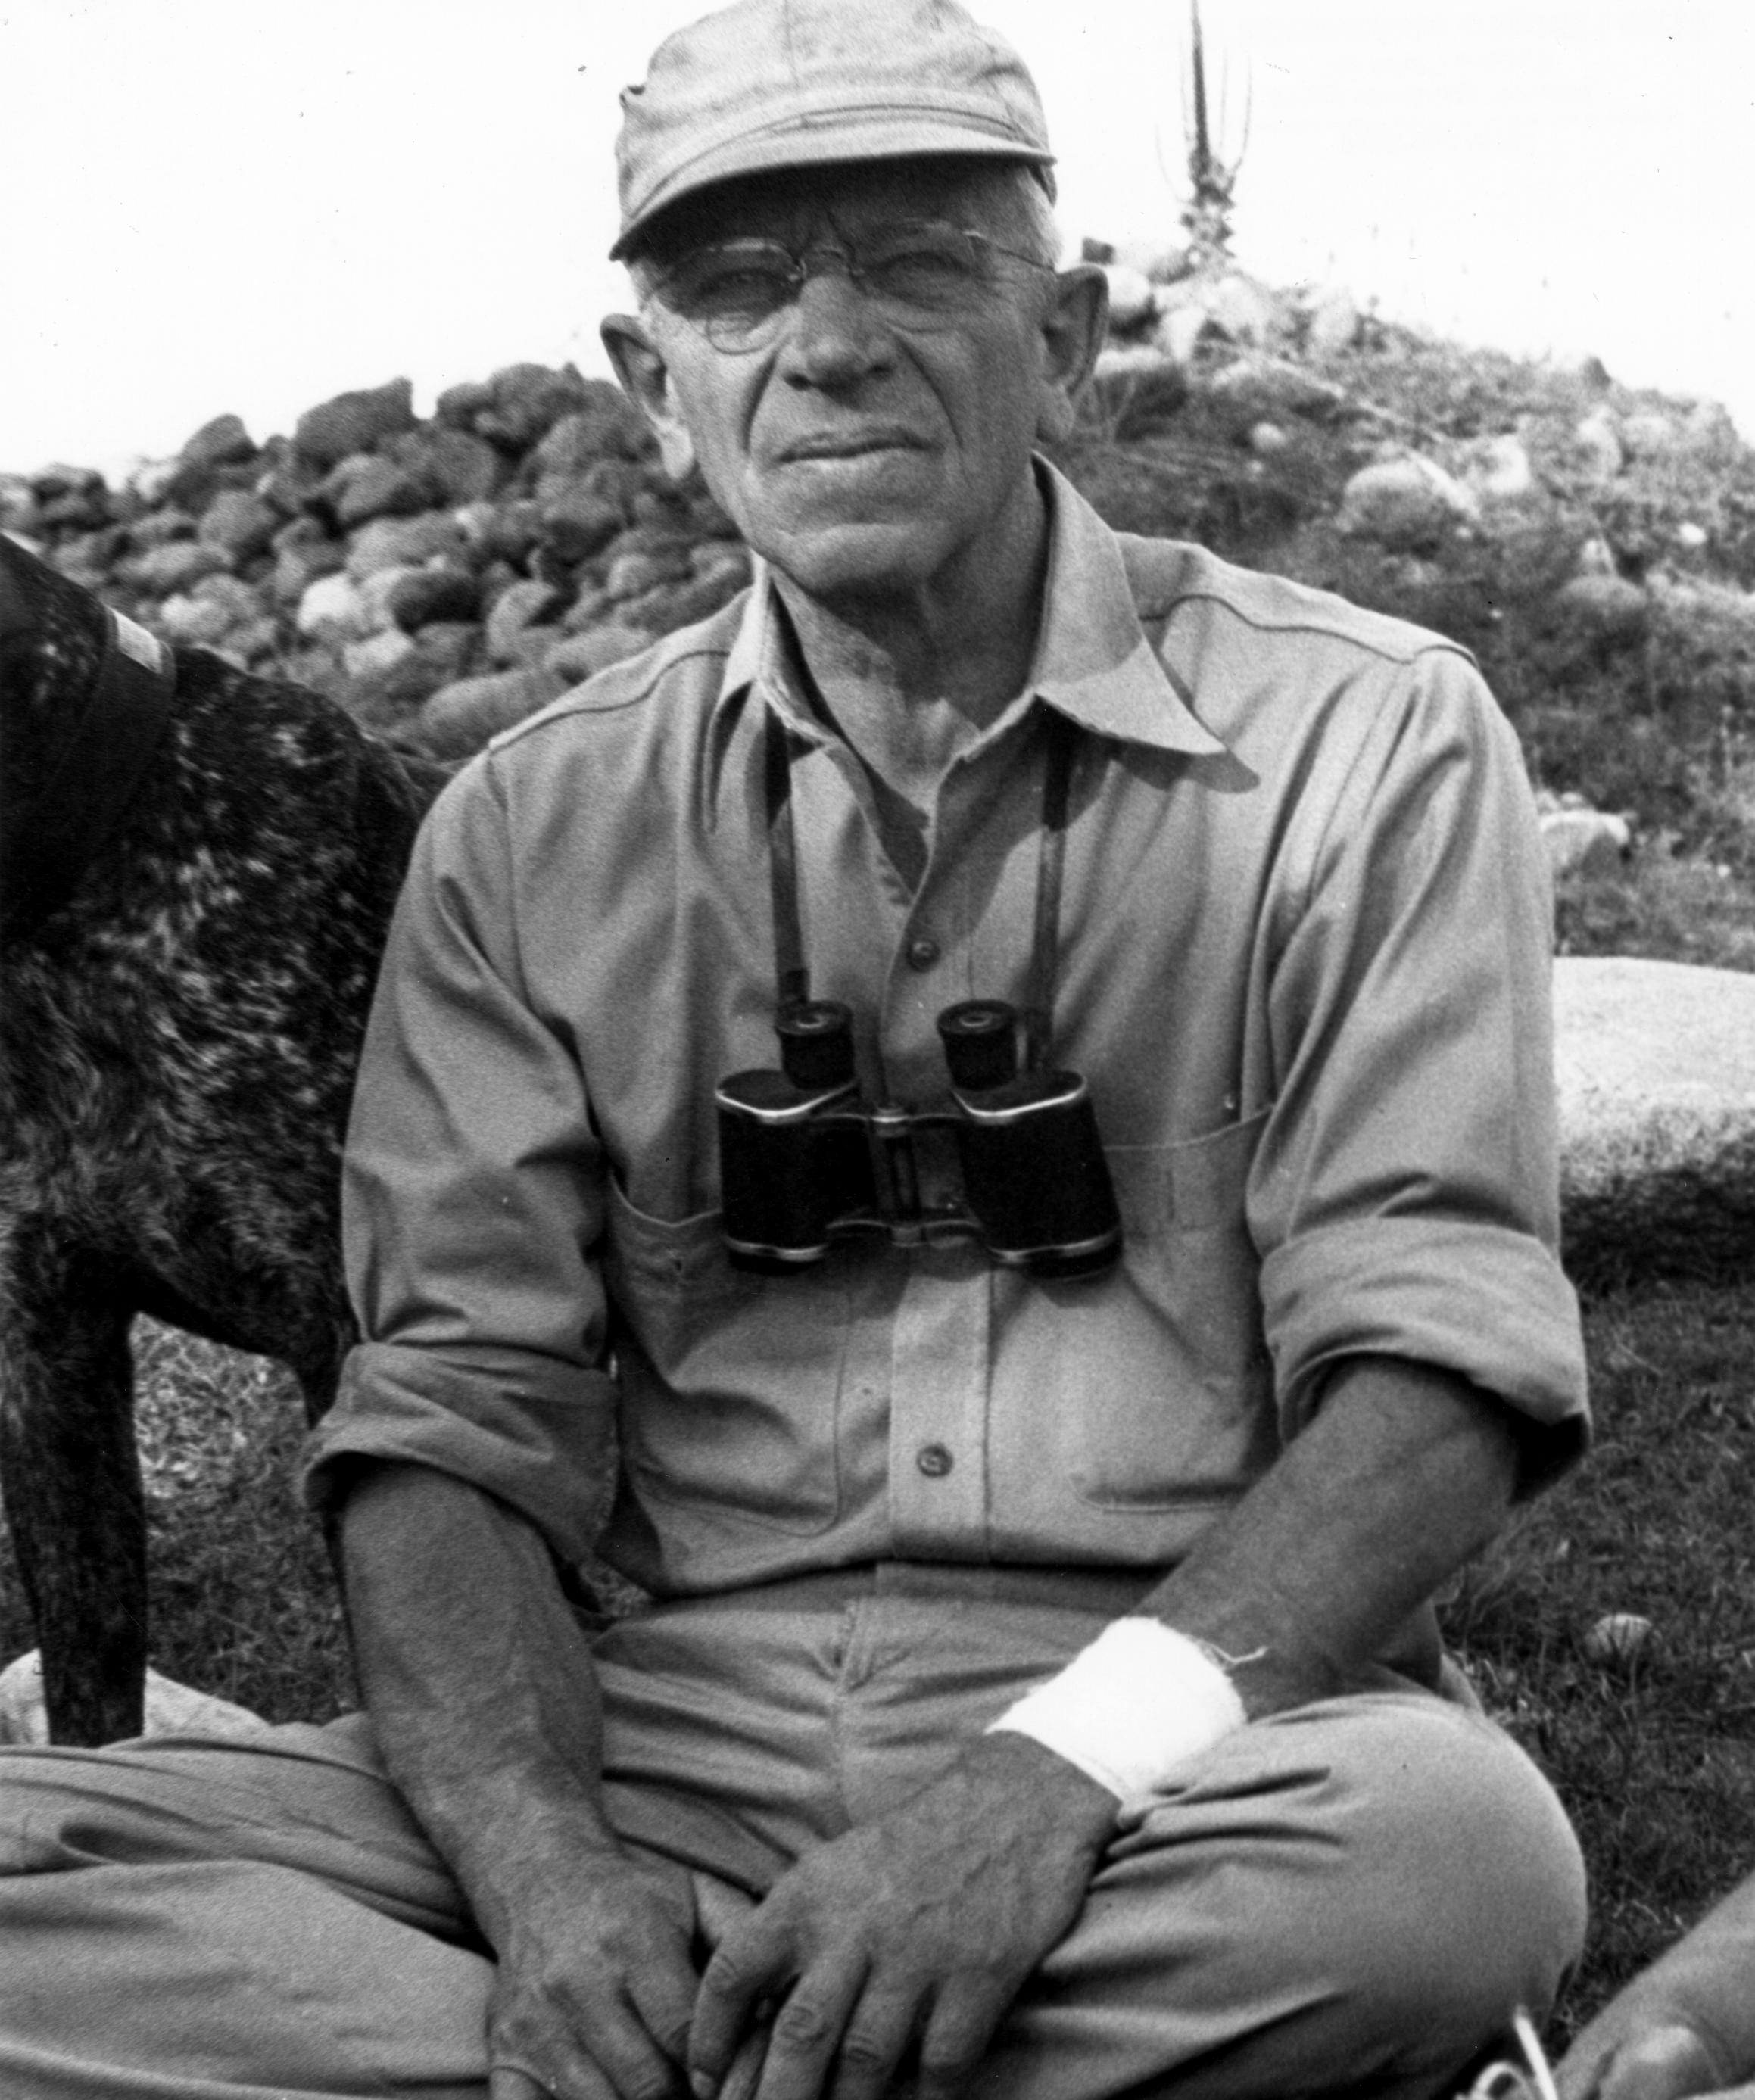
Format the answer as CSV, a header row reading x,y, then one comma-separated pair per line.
x,y
243,1604
1671,907
1655,1758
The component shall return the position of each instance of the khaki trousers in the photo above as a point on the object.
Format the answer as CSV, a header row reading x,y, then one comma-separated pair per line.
x,y
1350,1897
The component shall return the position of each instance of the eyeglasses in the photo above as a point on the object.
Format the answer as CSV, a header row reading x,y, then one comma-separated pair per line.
x,y
919,275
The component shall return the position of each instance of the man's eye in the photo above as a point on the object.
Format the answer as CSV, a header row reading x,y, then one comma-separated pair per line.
x,y
732,284
748,285
923,271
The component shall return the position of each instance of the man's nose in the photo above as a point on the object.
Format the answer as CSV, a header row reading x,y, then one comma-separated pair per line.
x,y
835,334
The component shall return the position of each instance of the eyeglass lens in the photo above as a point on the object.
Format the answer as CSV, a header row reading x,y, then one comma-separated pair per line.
x,y
924,274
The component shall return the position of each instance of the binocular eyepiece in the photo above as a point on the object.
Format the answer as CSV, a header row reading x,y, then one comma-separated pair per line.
x,y
804,1161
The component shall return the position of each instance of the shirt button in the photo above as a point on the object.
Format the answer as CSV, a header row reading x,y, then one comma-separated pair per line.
x,y
922,953
934,1461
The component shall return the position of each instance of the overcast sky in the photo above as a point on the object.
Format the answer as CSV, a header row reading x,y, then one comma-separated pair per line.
x,y
213,204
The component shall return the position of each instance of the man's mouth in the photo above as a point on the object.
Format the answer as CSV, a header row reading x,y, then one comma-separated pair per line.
x,y
851,444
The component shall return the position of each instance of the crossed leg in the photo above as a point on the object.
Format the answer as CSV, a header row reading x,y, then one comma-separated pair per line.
x,y
1350,1897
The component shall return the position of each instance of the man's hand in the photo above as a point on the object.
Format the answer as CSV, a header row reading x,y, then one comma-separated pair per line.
x,y
595,1983
482,1694
1685,2026
1626,2054
920,1926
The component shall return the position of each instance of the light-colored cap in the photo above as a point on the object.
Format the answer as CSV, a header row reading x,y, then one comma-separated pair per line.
x,y
791,83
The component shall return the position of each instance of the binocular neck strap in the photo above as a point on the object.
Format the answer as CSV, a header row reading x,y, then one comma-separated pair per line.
x,y
792,974
1051,862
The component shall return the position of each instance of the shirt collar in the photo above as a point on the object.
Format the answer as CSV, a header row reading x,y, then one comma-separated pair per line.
x,y
1094,660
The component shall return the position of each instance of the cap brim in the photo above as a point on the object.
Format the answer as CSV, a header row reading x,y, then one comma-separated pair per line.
x,y
823,144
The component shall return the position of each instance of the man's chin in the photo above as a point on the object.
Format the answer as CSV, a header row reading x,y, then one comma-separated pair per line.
x,y
851,558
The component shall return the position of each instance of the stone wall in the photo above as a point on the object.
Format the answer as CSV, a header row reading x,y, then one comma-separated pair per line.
x,y
441,576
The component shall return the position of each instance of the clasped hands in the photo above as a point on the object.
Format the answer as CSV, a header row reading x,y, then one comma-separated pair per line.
x,y
912,1934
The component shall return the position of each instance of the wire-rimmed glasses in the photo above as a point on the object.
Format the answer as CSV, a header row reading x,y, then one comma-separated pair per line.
x,y
917,274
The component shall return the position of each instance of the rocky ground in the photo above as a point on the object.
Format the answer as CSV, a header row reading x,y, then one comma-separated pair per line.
x,y
443,575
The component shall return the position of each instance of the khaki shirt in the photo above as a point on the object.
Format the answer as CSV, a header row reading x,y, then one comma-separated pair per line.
x,y
1304,968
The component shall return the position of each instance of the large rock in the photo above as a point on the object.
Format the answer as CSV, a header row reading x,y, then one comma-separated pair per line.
x,y
1611,609
364,486
459,718
354,422
222,442
171,1709
1656,1066
1406,502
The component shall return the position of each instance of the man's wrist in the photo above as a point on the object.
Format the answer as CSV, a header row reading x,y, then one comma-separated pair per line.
x,y
1132,1709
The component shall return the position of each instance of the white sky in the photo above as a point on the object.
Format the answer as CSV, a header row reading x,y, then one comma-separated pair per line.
x,y
212,205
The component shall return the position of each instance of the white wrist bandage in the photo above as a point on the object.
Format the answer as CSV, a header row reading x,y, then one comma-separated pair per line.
x,y
1132,1708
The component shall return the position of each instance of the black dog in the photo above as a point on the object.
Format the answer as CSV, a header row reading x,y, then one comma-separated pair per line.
x,y
196,868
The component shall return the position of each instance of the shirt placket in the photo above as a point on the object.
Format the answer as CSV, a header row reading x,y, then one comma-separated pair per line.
x,y
941,1339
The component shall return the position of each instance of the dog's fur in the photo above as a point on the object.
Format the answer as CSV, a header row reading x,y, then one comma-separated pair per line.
x,y
178,1043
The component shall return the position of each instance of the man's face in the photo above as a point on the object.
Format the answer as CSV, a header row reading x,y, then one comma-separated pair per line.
x,y
860,455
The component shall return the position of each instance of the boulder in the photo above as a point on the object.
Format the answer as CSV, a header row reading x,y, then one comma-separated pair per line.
x,y
378,653
1256,385
1404,503
524,402
384,696
149,482
330,611
72,499
459,718
1242,308
378,596
1498,470
1133,299
1598,439
421,598
171,1709
635,570
157,528
302,552
18,505
354,422
213,613
582,656
526,604
179,565
577,524
1612,608
1651,433
1585,841
223,441
1333,323
461,467
241,523
388,543
605,425
364,486
1656,1071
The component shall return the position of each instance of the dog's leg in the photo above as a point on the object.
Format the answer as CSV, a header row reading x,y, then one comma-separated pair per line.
x,y
72,1481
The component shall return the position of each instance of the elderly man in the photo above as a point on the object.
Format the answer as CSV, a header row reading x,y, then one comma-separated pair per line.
x,y
991,1104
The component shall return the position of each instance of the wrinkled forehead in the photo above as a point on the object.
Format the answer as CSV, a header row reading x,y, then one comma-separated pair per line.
x,y
799,204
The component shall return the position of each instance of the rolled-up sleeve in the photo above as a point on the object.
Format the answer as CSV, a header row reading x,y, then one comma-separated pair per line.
x,y
1404,1196
472,1205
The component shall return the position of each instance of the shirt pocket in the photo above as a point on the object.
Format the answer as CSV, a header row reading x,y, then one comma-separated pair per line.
x,y
1182,1413
730,1382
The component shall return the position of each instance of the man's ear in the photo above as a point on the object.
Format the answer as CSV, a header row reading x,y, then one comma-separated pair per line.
x,y
640,367
1073,327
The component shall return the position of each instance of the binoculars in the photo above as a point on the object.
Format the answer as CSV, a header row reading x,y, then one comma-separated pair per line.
x,y
804,1161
